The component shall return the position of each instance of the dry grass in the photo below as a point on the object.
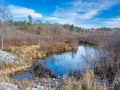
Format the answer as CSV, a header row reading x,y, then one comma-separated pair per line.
x,y
21,38
94,38
30,46
25,58
87,82
109,62
116,83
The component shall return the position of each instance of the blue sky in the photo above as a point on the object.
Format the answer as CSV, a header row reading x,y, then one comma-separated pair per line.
x,y
84,13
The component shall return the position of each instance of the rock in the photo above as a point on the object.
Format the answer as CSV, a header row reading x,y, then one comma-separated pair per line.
x,y
8,86
47,84
6,57
38,88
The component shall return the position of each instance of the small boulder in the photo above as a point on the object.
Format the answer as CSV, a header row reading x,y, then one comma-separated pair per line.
x,y
8,86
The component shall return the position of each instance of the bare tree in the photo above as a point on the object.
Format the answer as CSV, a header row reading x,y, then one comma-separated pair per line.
x,y
5,16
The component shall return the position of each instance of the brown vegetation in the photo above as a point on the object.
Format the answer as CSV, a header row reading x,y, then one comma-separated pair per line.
x,y
88,82
30,46
109,63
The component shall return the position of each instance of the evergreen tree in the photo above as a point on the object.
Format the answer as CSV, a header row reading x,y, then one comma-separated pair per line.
x,y
30,19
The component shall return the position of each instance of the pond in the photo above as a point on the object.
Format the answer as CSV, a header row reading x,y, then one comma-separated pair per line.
x,y
67,62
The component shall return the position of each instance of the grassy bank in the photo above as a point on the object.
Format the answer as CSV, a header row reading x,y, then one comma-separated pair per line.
x,y
104,75
35,46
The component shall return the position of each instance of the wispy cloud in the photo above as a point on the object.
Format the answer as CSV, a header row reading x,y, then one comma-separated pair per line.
x,y
19,11
113,22
51,18
80,11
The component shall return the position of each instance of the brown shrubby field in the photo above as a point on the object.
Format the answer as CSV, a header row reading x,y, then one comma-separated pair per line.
x,y
31,43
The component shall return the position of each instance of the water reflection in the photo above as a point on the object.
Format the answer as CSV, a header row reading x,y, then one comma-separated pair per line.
x,y
65,63
21,76
62,64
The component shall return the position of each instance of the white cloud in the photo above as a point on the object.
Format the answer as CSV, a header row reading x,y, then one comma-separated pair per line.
x,y
19,11
51,18
90,14
114,22
80,11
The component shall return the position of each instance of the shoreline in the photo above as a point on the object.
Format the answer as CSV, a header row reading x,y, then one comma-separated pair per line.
x,y
27,63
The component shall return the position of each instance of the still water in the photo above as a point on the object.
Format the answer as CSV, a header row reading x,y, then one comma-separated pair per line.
x,y
64,63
